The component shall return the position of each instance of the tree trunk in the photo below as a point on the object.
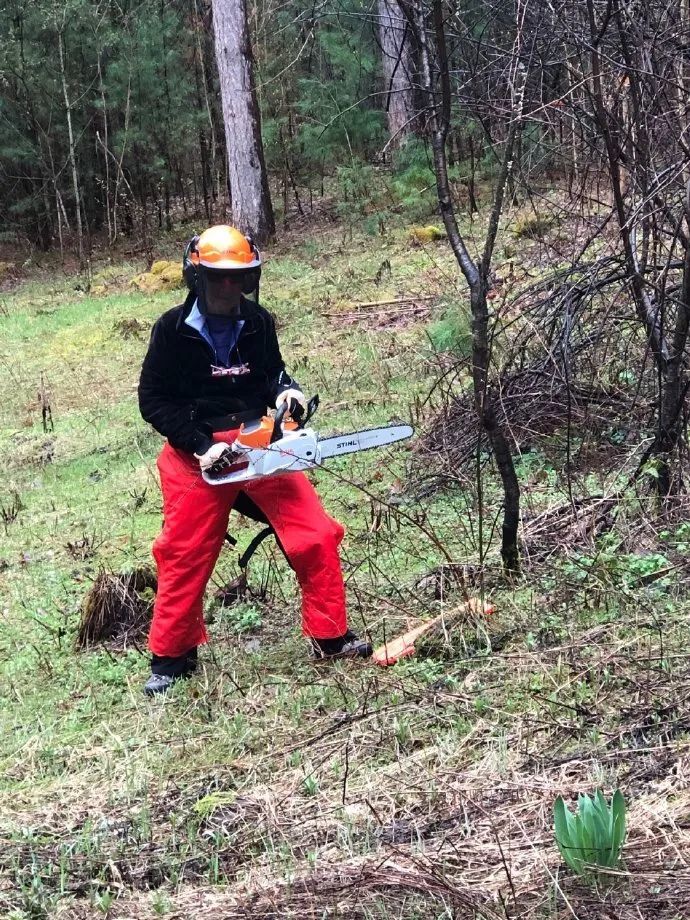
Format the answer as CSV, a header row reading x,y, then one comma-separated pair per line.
x,y
209,171
251,200
476,274
72,157
396,56
673,377
106,143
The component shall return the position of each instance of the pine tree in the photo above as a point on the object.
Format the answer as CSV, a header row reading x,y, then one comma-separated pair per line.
x,y
398,70
250,197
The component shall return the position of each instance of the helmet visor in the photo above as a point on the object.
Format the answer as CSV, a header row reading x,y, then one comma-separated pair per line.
x,y
219,286
220,278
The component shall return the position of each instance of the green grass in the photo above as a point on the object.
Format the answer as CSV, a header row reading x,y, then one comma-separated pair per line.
x,y
266,769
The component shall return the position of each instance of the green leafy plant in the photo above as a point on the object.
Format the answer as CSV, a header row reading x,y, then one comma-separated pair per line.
x,y
452,333
310,785
161,903
104,900
243,618
594,836
612,565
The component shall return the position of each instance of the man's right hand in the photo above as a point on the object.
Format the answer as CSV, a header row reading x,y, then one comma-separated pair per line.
x,y
212,455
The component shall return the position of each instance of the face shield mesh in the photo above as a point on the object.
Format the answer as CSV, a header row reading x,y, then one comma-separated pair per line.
x,y
209,279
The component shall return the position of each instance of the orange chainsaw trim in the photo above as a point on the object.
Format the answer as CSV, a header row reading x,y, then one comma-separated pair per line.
x,y
259,434
404,646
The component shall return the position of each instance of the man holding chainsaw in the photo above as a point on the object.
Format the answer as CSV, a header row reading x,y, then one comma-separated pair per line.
x,y
214,363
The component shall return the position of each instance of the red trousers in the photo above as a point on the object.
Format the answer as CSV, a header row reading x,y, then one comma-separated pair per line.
x,y
195,521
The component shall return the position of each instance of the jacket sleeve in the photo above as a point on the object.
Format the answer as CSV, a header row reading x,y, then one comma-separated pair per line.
x,y
278,378
159,404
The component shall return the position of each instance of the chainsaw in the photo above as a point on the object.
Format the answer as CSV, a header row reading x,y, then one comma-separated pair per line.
x,y
273,446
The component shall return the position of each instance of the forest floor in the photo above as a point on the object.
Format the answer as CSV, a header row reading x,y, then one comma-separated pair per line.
x,y
269,786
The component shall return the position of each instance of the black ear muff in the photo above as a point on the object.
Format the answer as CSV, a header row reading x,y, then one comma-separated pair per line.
x,y
189,269
250,282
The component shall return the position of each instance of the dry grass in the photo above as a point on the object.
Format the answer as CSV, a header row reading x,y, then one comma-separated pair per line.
x,y
118,608
452,813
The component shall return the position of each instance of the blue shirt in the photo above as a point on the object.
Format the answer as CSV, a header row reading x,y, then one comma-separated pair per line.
x,y
221,332
224,331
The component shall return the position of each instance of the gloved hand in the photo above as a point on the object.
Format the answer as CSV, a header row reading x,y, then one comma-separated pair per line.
x,y
296,400
212,455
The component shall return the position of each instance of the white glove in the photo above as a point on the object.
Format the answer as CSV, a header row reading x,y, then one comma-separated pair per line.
x,y
212,455
290,395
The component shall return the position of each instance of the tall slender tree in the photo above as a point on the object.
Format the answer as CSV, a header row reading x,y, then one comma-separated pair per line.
x,y
429,19
249,192
60,29
398,71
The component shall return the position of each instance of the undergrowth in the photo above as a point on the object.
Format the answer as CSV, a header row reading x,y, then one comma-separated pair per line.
x,y
271,786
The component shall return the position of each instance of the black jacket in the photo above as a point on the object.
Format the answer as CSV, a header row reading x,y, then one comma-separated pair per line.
x,y
178,394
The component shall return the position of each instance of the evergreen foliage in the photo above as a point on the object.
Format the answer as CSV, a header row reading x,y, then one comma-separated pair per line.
x,y
140,83
111,123
135,84
322,114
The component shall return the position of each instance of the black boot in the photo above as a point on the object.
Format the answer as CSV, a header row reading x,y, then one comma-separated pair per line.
x,y
347,646
159,683
166,671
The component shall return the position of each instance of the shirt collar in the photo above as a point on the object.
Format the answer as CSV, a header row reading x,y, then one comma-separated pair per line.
x,y
195,319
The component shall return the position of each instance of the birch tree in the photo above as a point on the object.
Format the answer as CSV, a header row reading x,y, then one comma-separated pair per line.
x,y
60,29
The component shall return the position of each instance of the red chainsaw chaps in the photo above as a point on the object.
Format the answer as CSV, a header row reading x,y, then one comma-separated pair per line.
x,y
195,521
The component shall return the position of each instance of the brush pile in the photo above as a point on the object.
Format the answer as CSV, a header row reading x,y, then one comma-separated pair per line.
x,y
531,405
118,608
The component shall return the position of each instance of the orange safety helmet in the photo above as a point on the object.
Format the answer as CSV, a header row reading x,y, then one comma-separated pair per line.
x,y
225,248
222,249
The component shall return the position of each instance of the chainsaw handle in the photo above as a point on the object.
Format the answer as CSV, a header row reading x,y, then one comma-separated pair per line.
x,y
312,406
278,422
277,434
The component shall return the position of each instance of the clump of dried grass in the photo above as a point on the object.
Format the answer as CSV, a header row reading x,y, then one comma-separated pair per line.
x,y
118,607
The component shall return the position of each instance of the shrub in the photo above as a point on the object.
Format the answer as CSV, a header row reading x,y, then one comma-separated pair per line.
x,y
452,333
532,226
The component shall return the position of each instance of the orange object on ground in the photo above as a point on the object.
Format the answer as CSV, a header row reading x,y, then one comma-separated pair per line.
x,y
404,646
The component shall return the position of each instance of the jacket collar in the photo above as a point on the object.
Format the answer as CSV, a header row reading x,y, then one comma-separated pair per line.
x,y
192,318
185,310
197,321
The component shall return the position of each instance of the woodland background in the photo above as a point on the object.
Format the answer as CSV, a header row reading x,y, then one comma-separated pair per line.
x,y
474,216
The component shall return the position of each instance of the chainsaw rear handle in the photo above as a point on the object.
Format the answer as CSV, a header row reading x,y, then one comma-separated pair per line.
x,y
278,422
312,406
